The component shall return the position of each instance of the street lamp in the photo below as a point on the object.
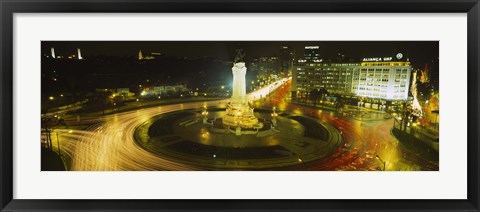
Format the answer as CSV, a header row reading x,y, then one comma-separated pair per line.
x,y
274,117
302,162
204,114
436,112
58,141
383,162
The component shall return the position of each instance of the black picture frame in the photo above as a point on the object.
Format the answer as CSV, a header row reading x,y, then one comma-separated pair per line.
x,y
9,7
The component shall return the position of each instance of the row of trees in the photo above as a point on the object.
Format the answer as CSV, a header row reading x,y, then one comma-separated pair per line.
x,y
317,94
48,123
102,100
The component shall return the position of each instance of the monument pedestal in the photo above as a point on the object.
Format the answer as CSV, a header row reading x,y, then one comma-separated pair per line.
x,y
239,113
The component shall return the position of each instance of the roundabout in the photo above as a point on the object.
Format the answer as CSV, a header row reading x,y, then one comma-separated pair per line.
x,y
184,137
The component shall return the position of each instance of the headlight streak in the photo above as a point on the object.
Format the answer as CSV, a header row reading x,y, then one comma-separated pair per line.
x,y
111,146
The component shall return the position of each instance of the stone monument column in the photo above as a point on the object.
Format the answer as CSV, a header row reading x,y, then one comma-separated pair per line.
x,y
239,94
238,114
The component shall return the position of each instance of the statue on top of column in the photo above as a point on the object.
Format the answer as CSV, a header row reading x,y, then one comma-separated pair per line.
x,y
239,56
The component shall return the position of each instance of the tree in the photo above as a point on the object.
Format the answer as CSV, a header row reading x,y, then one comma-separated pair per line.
x,y
340,101
314,96
48,123
323,93
100,100
406,115
118,101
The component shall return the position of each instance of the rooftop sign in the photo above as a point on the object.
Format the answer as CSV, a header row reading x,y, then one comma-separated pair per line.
x,y
377,59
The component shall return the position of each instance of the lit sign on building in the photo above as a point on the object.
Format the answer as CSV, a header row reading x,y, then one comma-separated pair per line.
x,y
377,59
399,56
311,47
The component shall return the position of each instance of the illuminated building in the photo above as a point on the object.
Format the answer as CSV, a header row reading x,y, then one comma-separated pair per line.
x,y
268,69
287,57
52,50
79,54
115,92
311,53
272,68
145,57
376,80
166,89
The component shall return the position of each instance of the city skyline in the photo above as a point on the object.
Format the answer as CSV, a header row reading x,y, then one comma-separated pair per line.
x,y
417,51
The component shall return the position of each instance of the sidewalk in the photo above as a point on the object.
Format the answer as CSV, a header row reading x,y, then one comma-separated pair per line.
x,y
136,105
51,161
415,145
364,114
317,106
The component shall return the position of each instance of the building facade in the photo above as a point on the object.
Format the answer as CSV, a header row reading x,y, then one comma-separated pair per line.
x,y
379,80
268,69
311,53
287,58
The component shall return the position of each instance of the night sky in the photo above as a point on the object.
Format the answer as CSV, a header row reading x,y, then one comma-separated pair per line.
x,y
419,52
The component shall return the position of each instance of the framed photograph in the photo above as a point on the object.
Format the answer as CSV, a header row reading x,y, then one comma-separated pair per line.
x,y
265,105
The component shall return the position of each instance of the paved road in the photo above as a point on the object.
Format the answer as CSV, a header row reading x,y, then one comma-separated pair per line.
x,y
108,143
364,140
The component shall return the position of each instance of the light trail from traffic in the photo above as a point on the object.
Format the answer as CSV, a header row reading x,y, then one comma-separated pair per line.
x,y
263,92
109,144
364,140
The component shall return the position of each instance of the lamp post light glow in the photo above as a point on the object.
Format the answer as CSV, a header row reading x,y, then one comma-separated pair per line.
x,y
274,117
58,141
204,114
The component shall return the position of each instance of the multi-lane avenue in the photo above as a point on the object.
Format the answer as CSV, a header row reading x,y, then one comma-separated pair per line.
x,y
108,143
